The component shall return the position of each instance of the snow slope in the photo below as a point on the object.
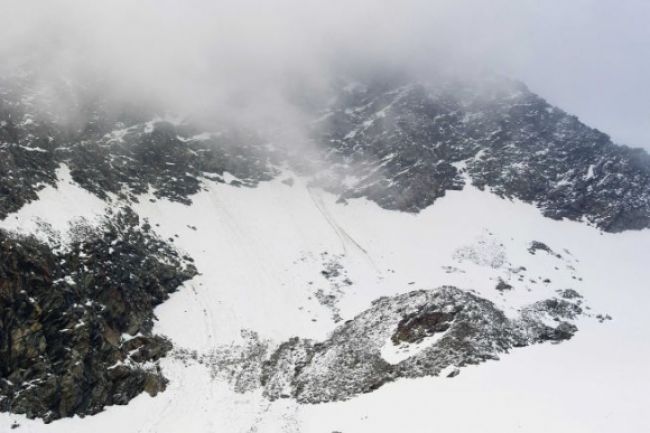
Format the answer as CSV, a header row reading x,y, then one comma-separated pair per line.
x,y
261,253
56,208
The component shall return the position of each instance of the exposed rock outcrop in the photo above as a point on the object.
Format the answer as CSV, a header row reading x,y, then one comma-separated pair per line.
x,y
416,334
75,321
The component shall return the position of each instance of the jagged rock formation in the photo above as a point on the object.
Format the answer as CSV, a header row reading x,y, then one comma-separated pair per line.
x,y
75,321
400,143
125,152
170,160
467,329
416,334
404,144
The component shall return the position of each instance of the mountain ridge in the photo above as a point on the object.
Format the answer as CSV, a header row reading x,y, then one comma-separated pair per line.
x,y
379,147
400,145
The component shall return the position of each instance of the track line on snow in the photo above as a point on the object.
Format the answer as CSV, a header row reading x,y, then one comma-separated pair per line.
x,y
342,234
327,218
244,241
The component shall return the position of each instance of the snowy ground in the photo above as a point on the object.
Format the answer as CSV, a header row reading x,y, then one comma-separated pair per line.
x,y
56,209
261,253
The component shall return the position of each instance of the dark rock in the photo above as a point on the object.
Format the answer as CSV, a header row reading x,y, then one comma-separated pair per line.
x,y
569,294
350,361
407,142
502,286
394,140
416,327
539,246
63,312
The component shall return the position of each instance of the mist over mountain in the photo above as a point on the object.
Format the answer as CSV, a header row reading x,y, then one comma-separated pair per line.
x,y
319,217
586,56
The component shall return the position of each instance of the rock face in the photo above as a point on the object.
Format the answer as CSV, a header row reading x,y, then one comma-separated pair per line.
x,y
75,322
399,142
26,149
125,151
352,360
416,334
415,327
170,160
404,144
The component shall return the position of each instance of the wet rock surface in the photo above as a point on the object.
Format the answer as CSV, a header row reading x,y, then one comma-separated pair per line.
x,y
75,321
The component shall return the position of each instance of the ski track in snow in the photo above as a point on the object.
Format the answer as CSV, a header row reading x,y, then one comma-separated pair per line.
x,y
248,245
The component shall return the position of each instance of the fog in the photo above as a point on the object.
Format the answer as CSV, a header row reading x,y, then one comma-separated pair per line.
x,y
241,58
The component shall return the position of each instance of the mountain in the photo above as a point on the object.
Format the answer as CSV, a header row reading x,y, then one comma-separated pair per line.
x,y
358,281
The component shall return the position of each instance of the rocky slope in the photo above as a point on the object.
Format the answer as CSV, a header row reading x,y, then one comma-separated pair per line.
x,y
416,334
399,143
76,318
75,329
404,144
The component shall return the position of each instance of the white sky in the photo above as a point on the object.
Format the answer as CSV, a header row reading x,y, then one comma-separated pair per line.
x,y
591,58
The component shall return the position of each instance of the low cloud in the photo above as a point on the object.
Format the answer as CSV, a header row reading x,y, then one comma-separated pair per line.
x,y
240,58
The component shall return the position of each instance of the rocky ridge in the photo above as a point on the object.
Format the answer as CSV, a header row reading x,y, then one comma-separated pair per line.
x,y
398,142
75,323
75,328
403,144
415,334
